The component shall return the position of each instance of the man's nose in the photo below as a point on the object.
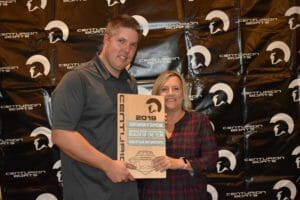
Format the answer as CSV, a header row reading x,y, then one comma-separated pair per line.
x,y
126,47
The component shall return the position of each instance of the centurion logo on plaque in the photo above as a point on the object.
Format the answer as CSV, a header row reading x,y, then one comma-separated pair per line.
x,y
141,132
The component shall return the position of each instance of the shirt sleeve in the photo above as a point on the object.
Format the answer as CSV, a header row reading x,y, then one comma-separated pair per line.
x,y
67,101
209,149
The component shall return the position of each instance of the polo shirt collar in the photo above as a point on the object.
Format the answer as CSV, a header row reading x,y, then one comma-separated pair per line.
x,y
105,73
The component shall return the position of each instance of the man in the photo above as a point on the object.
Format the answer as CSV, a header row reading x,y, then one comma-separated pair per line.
x,y
84,117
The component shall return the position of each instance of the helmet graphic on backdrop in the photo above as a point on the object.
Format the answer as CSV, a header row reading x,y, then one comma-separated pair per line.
x,y
219,89
284,124
59,25
286,190
42,137
293,13
226,161
296,152
281,46
46,196
212,192
34,71
114,2
217,14
196,65
143,23
295,85
33,5
57,168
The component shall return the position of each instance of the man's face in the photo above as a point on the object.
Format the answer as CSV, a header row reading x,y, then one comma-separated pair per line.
x,y
119,49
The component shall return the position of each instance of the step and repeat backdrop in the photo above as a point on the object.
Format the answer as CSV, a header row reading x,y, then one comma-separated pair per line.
x,y
240,59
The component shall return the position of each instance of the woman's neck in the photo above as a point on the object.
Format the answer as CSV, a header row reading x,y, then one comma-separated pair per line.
x,y
174,116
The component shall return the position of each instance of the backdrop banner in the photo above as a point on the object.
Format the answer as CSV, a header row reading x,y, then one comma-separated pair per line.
x,y
240,60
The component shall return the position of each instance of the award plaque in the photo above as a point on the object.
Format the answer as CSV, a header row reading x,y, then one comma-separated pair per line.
x,y
141,132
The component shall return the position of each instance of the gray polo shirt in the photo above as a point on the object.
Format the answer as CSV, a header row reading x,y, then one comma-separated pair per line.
x,y
85,100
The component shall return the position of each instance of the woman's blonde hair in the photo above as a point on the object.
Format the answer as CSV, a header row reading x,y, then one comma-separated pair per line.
x,y
162,79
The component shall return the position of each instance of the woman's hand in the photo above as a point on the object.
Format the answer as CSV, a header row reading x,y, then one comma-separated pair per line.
x,y
162,163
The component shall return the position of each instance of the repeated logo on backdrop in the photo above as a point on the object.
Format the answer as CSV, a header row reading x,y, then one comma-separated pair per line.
x,y
222,94
221,15
46,196
284,124
200,55
211,190
295,85
281,46
227,161
296,153
196,65
7,2
57,168
285,189
59,31
293,13
36,70
115,2
33,5
42,139
143,23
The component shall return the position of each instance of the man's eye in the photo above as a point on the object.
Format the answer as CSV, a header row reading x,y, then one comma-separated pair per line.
x,y
121,41
134,45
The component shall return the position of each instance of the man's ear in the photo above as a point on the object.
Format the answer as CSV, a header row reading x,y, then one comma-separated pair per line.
x,y
106,38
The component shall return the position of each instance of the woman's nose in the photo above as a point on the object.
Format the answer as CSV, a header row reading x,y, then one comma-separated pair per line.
x,y
170,91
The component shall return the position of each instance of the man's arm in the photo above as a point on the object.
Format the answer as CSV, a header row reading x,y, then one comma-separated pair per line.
x,y
78,148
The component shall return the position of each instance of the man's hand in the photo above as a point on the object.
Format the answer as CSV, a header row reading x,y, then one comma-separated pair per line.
x,y
118,171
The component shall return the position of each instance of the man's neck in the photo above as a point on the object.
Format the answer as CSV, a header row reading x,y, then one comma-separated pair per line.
x,y
114,73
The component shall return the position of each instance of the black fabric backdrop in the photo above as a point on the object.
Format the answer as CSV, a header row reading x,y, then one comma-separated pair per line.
x,y
240,60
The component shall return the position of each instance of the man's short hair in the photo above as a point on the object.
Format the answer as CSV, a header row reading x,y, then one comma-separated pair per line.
x,y
124,20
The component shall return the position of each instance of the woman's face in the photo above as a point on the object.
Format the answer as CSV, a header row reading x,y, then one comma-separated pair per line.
x,y
173,93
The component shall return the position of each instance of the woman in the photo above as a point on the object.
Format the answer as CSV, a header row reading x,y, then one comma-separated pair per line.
x,y
191,147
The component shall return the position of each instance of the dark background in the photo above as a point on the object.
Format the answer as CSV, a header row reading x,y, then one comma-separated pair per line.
x,y
240,60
